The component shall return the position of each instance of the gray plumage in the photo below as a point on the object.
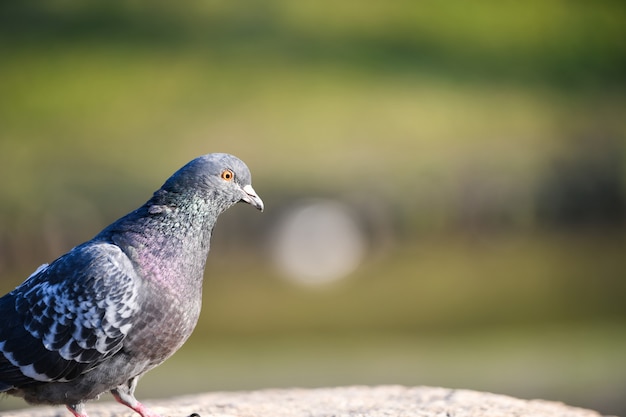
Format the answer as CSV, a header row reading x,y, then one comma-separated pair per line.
x,y
112,308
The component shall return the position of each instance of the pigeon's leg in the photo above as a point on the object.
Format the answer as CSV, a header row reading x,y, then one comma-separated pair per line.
x,y
125,394
77,409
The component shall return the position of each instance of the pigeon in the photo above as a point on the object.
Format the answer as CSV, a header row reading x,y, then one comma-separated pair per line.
x,y
99,317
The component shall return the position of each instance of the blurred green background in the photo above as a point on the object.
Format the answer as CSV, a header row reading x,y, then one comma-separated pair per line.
x,y
479,149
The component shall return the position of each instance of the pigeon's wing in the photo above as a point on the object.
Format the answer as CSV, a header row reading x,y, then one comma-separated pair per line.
x,y
67,317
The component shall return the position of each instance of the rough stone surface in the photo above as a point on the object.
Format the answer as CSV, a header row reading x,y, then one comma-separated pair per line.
x,y
357,401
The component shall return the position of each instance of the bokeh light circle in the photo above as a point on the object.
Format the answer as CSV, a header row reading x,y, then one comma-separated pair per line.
x,y
318,242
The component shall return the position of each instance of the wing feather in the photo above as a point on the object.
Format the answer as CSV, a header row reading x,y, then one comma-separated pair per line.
x,y
68,316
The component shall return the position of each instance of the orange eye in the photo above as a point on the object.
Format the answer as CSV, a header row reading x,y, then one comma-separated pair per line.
x,y
228,175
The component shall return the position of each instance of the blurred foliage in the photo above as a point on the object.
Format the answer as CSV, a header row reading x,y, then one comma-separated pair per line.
x,y
482,147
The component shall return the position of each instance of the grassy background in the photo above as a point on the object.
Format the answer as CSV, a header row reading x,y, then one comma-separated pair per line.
x,y
482,148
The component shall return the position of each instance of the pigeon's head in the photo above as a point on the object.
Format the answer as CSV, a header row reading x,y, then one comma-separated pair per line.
x,y
221,177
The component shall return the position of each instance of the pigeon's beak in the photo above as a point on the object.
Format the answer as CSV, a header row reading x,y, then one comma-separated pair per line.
x,y
252,198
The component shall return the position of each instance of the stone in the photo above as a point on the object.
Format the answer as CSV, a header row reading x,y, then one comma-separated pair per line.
x,y
353,401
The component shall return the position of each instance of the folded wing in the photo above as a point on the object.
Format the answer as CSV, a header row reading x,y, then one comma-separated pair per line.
x,y
68,316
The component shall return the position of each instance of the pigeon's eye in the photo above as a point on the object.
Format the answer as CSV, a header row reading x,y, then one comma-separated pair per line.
x,y
228,175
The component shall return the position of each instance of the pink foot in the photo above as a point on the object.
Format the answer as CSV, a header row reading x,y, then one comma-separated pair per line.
x,y
144,411
136,406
